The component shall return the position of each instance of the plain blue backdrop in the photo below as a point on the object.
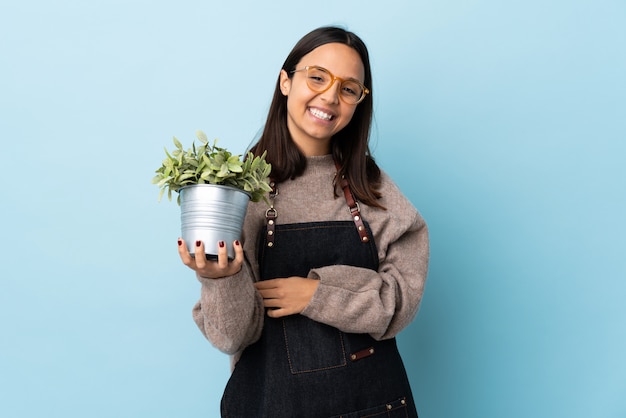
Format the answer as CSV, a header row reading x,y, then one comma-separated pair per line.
x,y
504,122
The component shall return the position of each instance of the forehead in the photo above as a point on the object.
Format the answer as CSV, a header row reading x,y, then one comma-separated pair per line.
x,y
341,60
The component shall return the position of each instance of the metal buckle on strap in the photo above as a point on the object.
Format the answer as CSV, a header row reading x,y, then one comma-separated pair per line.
x,y
356,208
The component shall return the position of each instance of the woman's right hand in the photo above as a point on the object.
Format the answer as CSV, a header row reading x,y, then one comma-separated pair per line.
x,y
208,268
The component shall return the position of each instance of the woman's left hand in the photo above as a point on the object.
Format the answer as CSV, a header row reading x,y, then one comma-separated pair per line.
x,y
286,296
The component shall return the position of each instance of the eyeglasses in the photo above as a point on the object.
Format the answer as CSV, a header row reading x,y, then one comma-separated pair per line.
x,y
319,80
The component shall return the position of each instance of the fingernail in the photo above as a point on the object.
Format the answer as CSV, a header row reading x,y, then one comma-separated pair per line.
x,y
237,242
221,244
198,243
180,242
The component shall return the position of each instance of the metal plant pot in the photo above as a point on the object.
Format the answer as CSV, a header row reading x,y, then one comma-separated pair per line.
x,y
211,213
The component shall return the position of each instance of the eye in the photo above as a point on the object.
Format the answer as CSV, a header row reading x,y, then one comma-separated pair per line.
x,y
318,76
351,89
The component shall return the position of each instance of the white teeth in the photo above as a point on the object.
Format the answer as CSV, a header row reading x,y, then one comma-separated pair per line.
x,y
319,114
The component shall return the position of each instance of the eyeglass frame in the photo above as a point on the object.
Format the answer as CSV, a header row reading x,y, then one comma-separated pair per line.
x,y
365,90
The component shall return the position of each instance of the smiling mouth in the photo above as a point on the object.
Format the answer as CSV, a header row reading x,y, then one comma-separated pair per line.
x,y
321,115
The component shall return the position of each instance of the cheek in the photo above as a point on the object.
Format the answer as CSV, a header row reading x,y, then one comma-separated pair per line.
x,y
297,98
348,114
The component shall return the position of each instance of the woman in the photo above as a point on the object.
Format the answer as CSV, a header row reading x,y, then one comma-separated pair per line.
x,y
320,284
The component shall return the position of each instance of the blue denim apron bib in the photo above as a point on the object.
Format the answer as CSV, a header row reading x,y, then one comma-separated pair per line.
x,y
301,368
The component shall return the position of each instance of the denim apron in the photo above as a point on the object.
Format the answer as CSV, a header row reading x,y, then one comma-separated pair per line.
x,y
301,368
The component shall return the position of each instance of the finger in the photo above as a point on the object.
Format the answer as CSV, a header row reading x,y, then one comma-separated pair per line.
x,y
267,284
268,294
273,292
183,252
222,255
260,285
276,313
238,252
200,258
235,264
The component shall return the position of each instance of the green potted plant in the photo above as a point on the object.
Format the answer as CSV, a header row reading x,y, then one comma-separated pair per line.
x,y
214,188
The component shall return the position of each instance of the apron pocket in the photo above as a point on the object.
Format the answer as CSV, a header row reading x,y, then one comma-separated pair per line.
x,y
312,346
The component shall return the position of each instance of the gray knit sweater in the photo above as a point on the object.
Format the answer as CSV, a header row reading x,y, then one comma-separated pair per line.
x,y
230,311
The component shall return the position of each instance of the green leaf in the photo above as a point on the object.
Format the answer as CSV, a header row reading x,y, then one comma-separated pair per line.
x,y
223,170
186,176
202,137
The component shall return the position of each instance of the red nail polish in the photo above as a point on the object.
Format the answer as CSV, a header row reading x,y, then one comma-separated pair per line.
x,y
237,242
180,242
198,243
221,244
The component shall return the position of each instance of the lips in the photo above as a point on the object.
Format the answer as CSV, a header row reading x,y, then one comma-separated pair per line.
x,y
321,114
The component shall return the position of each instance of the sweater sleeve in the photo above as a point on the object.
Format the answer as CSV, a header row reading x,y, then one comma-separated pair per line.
x,y
230,311
380,303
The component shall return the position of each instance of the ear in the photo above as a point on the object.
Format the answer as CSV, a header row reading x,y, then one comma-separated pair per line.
x,y
285,83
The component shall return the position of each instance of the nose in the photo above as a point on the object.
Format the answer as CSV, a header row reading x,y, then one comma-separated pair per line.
x,y
332,94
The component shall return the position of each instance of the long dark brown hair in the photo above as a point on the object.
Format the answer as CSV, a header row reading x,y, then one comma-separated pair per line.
x,y
350,146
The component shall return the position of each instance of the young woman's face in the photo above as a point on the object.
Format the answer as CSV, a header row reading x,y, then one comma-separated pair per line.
x,y
313,118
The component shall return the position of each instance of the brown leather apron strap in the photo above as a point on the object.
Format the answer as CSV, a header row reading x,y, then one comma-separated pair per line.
x,y
353,205
270,215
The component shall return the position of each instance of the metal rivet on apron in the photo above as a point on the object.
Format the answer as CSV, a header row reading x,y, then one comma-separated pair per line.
x,y
270,232
403,402
389,407
270,222
356,217
365,239
353,357
371,351
270,244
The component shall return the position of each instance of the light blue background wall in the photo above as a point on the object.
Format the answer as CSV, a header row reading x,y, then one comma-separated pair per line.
x,y
503,121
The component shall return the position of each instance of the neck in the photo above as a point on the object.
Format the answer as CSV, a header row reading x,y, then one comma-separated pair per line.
x,y
314,151
313,148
